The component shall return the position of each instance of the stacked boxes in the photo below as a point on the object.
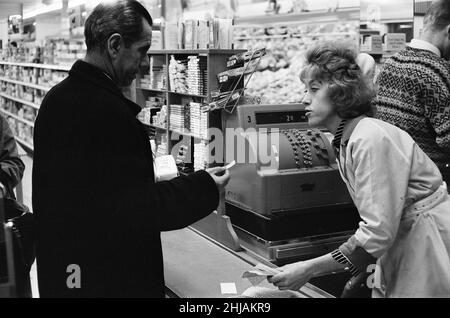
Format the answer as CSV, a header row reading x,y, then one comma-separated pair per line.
x,y
178,76
197,75
200,156
26,93
198,120
162,148
188,76
160,119
158,77
145,81
177,119
44,77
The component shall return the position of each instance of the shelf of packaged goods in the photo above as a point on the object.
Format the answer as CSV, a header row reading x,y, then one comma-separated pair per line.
x,y
40,87
195,52
262,37
153,107
24,143
288,36
151,89
170,92
24,102
187,94
65,68
7,113
154,126
188,134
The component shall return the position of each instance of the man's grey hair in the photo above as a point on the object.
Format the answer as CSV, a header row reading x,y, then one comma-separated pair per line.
x,y
438,15
120,16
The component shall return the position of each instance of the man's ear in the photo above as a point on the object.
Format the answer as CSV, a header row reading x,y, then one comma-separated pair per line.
x,y
447,29
114,43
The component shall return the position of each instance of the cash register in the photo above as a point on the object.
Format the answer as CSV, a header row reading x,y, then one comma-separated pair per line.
x,y
285,198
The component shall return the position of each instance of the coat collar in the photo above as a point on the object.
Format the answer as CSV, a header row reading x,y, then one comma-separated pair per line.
x,y
96,76
424,45
349,128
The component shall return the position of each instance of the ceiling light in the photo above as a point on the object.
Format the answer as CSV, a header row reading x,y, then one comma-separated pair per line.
x,y
42,10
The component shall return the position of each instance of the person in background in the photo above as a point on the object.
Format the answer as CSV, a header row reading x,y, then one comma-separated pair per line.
x,y
11,173
396,187
12,167
414,88
99,212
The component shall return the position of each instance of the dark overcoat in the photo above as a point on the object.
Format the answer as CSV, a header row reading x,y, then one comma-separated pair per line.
x,y
99,212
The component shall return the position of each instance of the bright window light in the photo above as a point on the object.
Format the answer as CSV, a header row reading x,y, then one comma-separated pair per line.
x,y
89,3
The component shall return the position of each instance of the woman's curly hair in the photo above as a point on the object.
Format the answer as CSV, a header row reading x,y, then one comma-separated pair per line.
x,y
335,64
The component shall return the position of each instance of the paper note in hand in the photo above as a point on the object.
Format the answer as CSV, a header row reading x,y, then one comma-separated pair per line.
x,y
230,165
259,273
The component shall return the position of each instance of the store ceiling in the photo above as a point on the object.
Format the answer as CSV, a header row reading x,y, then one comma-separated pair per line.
x,y
10,7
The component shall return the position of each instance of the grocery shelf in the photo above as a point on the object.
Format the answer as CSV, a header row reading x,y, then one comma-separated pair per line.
x,y
151,89
170,92
7,113
24,143
187,94
194,52
287,36
65,68
262,37
42,88
36,106
155,126
216,62
187,133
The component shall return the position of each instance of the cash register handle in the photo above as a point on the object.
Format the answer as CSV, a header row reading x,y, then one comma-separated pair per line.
x,y
220,173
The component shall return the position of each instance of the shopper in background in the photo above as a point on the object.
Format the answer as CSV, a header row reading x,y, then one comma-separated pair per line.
x,y
414,88
98,210
11,173
396,187
12,167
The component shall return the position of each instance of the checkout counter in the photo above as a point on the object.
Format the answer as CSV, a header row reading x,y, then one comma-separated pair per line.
x,y
196,266
285,202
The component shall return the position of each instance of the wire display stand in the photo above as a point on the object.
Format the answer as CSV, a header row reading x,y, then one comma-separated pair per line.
x,y
229,100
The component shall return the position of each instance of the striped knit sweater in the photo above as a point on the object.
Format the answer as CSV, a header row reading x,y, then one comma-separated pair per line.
x,y
414,94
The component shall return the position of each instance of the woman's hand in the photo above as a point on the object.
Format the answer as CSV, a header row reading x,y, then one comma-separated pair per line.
x,y
293,276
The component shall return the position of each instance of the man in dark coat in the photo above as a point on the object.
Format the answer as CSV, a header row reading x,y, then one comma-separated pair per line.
x,y
99,212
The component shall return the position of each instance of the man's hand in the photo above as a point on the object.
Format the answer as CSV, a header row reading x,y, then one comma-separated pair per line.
x,y
293,276
221,177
